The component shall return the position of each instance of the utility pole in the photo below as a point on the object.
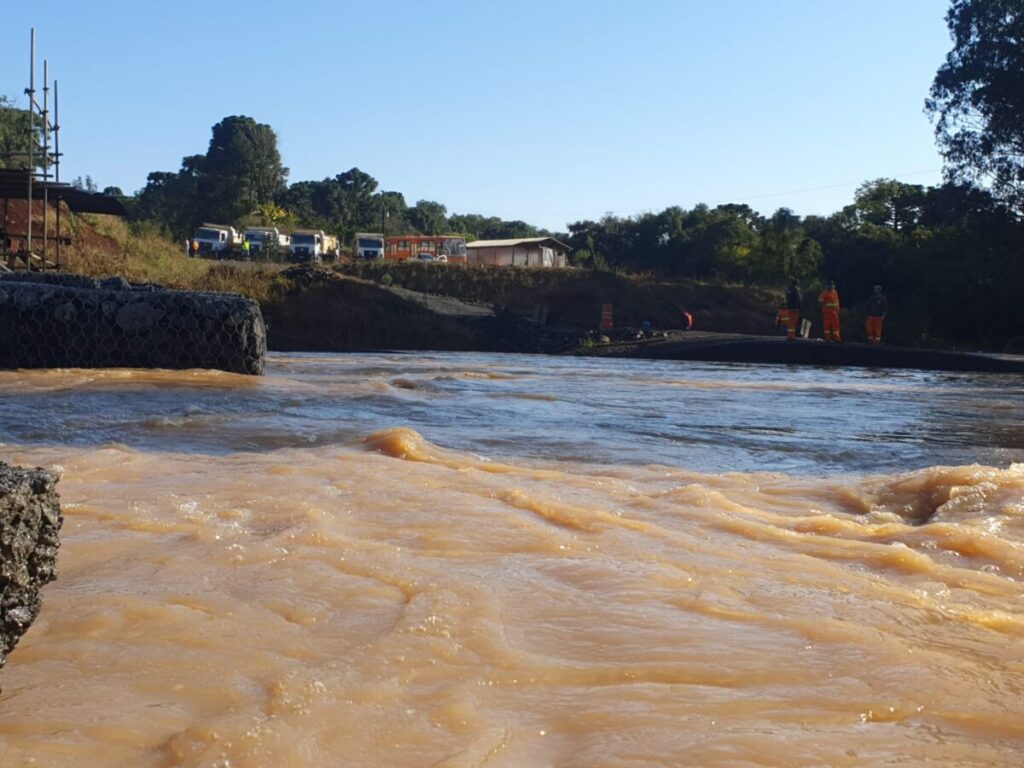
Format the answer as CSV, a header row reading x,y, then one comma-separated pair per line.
x,y
56,161
46,162
31,137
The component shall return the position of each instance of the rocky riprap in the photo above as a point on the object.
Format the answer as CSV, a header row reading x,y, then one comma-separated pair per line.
x,y
30,521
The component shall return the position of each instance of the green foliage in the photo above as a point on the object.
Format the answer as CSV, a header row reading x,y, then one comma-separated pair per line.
x,y
273,215
346,204
476,227
240,171
14,136
429,217
947,256
589,260
86,184
977,97
887,203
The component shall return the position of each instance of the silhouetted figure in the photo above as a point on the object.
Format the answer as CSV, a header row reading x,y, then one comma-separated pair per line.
x,y
877,309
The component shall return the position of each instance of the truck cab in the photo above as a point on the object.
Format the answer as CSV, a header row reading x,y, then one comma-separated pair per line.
x,y
265,240
368,245
216,240
307,245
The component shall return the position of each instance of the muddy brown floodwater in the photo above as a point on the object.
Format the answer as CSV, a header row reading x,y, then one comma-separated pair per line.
x,y
476,560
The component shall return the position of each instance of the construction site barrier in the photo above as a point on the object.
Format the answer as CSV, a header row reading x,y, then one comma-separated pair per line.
x,y
70,321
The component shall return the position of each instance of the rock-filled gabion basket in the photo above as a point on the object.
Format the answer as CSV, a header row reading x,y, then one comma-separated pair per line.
x,y
70,321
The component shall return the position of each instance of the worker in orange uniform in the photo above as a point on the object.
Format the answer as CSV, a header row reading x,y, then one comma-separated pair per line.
x,y
878,308
793,301
829,301
782,318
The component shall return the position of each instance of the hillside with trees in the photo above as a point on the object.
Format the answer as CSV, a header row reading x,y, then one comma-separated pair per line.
x,y
950,257
241,175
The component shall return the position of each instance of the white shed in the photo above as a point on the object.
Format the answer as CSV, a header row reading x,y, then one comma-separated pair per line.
x,y
526,252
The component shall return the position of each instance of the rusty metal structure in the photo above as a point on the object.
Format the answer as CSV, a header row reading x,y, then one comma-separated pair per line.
x,y
39,179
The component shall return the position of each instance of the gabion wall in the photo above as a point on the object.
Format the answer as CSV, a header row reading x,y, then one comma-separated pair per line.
x,y
55,321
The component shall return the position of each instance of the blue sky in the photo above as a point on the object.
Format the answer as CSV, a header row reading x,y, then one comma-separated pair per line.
x,y
544,111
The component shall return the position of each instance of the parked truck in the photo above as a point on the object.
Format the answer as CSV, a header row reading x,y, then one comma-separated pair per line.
x,y
369,245
217,241
313,245
266,241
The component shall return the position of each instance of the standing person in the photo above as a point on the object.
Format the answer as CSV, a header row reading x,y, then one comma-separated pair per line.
x,y
829,300
782,318
195,248
878,308
793,302
245,249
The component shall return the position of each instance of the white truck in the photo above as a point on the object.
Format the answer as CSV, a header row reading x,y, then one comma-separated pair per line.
x,y
369,245
217,240
267,241
313,245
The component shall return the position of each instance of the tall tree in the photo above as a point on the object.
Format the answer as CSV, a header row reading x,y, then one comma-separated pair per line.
x,y
171,199
242,169
977,97
428,217
393,212
354,200
887,203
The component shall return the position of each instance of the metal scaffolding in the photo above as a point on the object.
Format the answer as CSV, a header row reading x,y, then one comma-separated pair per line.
x,y
37,176
41,129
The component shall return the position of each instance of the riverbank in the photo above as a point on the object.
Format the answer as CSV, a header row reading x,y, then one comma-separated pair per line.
x,y
331,312
452,307
738,348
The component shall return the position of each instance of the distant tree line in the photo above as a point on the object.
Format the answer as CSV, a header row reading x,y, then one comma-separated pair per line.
x,y
951,257
241,175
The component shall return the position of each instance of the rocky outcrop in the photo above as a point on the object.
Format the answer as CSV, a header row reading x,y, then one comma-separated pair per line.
x,y
30,521
70,321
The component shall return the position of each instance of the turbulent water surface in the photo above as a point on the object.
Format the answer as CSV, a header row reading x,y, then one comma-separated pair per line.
x,y
477,560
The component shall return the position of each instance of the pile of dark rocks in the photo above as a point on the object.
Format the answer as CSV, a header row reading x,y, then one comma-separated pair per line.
x,y
30,522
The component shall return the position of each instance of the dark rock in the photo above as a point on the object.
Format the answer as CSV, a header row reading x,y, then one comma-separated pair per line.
x,y
115,284
30,521
307,275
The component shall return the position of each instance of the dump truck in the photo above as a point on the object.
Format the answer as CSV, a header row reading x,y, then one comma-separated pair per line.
x,y
217,240
266,241
369,245
313,245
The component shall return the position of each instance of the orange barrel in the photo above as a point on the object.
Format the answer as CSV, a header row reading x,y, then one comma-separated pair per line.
x,y
606,317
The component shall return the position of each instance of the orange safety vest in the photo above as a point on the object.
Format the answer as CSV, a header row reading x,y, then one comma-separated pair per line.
x,y
829,299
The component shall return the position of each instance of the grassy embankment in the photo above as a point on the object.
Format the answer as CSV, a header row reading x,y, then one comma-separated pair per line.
x,y
353,306
103,246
